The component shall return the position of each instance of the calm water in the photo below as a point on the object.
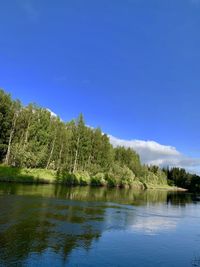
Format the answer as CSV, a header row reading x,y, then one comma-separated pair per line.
x,y
49,225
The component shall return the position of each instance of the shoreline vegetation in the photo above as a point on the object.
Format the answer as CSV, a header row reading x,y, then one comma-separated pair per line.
x,y
36,146
41,176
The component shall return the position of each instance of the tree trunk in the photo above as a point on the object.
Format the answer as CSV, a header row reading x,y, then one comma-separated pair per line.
x,y
26,135
88,163
60,156
51,153
76,155
11,138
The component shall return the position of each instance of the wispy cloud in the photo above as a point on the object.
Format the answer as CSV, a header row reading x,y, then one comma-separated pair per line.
x,y
52,113
153,225
29,9
153,153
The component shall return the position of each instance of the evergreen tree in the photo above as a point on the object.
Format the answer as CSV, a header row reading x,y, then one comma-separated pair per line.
x,y
31,137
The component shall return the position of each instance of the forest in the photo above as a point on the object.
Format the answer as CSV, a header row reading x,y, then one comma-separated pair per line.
x,y
181,178
35,145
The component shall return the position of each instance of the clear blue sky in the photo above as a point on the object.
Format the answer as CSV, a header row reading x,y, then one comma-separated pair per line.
x,y
132,66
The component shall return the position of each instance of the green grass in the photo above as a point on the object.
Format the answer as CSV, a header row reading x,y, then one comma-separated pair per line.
x,y
23,175
157,186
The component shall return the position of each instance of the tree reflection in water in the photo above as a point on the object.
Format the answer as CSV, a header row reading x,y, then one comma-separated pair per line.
x,y
36,219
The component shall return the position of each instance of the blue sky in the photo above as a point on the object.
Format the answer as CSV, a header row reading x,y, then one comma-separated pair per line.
x,y
132,66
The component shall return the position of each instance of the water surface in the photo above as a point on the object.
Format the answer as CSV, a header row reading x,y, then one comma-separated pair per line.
x,y
48,225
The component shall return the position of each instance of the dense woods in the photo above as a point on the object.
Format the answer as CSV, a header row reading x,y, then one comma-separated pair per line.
x,y
179,177
30,137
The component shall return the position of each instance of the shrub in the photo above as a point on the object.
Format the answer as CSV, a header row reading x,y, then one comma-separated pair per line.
x,y
151,178
120,176
67,178
98,180
128,177
111,181
83,177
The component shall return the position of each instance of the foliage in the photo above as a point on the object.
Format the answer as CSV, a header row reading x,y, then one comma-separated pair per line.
x,y
99,180
153,175
120,176
181,178
30,137
24,175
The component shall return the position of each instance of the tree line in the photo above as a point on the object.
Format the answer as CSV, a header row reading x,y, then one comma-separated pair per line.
x,y
30,137
181,178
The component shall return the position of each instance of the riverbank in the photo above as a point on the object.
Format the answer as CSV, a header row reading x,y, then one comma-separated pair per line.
x,y
166,187
23,175
45,176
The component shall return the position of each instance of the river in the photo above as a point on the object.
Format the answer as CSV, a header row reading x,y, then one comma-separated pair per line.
x,y
49,225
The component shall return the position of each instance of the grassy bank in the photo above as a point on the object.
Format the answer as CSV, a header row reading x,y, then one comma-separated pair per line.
x,y
23,175
165,187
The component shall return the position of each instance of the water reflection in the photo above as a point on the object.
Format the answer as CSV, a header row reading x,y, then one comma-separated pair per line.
x,y
31,225
153,225
40,220
122,196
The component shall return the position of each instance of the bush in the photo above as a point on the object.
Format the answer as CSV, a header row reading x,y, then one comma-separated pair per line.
x,y
111,181
158,178
83,177
128,177
98,180
120,176
67,178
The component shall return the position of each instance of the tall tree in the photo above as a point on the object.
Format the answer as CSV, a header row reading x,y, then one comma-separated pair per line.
x,y
16,106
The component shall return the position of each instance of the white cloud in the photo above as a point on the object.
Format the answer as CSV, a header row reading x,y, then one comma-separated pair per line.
x,y
153,225
153,153
52,113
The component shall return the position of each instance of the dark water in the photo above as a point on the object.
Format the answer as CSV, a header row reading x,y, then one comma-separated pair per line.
x,y
57,226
